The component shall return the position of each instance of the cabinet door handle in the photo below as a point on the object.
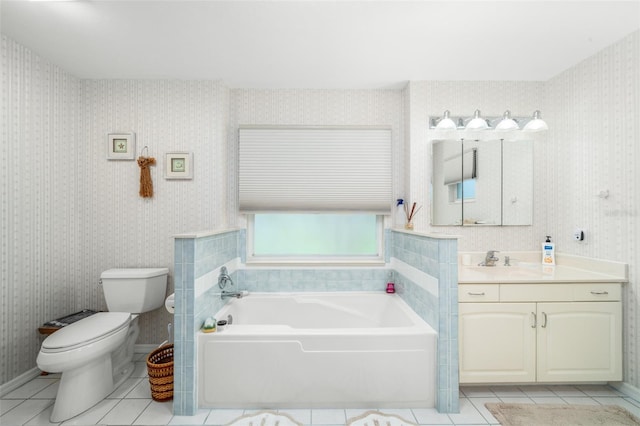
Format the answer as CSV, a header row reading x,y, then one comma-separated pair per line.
x,y
599,293
544,320
535,320
471,293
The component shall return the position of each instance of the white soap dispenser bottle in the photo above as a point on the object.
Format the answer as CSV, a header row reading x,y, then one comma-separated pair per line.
x,y
548,252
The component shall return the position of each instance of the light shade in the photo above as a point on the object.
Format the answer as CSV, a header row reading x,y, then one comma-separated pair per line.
x,y
446,123
477,122
507,123
537,124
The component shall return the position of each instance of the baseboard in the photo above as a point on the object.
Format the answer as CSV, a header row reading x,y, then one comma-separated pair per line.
x,y
35,372
19,381
627,389
144,349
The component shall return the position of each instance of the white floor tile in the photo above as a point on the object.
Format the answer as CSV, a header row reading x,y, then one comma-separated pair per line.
x,y
198,419
125,412
596,390
580,400
126,387
430,416
468,414
93,415
8,404
548,400
24,412
567,390
328,417
518,400
537,391
477,391
140,370
222,416
301,415
49,392
30,388
508,391
479,404
156,413
43,418
141,390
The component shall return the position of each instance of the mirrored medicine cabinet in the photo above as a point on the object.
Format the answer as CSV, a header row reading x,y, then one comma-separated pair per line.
x,y
481,182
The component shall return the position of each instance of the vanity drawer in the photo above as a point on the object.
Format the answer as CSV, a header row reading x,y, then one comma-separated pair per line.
x,y
597,291
536,292
478,293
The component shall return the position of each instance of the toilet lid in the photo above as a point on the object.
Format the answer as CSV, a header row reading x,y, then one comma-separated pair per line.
x,y
86,330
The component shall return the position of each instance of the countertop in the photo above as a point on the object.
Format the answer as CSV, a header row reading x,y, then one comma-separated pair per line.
x,y
568,269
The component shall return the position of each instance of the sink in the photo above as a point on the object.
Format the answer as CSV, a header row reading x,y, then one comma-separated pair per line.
x,y
519,270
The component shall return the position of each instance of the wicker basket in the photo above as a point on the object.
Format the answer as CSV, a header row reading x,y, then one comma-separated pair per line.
x,y
160,369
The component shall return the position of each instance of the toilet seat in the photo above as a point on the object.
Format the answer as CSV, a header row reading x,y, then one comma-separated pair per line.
x,y
86,331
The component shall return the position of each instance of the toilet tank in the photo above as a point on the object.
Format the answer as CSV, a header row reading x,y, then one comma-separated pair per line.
x,y
134,290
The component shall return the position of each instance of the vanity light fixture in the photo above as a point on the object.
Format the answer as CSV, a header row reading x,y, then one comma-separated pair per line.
x,y
477,122
537,124
446,123
507,123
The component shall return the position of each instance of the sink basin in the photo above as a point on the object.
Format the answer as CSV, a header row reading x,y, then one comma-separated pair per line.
x,y
520,270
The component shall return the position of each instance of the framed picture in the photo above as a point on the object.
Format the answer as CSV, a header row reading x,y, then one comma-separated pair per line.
x,y
121,146
178,165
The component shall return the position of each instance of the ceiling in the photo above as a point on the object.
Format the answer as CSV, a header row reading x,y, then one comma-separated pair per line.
x,y
318,44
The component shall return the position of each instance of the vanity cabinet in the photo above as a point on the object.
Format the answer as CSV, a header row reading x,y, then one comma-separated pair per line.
x,y
524,333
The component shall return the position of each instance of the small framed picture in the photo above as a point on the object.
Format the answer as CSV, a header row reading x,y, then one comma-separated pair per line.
x,y
178,165
121,146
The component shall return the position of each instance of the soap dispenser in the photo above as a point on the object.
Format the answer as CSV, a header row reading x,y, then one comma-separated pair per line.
x,y
391,287
548,252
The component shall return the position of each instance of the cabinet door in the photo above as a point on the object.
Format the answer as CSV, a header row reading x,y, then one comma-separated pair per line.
x,y
497,342
580,341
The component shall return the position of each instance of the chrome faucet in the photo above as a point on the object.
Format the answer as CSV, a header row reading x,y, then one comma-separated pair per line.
x,y
224,278
227,294
490,259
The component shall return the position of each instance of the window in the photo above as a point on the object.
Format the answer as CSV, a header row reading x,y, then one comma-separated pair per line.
x,y
466,190
315,237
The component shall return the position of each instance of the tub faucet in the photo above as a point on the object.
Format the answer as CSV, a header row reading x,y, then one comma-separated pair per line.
x,y
490,259
236,294
224,278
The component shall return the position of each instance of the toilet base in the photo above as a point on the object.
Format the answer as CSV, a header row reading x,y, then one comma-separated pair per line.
x,y
82,388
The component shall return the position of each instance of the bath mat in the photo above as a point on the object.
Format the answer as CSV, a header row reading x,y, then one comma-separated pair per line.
x,y
376,418
264,418
561,415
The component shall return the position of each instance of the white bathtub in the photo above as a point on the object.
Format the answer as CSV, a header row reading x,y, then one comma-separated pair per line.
x,y
332,350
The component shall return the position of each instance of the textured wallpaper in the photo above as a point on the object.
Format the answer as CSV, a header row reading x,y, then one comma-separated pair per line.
x,y
68,213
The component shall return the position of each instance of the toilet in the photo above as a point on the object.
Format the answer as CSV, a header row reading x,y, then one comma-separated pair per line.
x,y
95,354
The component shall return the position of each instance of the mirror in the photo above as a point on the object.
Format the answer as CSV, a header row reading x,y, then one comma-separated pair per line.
x,y
482,183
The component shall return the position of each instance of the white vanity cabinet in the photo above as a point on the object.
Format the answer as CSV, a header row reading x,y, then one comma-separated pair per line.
x,y
546,332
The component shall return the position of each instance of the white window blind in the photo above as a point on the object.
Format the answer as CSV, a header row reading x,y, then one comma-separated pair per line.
x,y
320,169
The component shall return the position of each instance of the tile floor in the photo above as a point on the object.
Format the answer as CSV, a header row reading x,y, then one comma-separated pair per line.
x,y
131,404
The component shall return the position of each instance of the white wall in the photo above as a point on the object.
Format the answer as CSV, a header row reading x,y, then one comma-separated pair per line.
x,y
68,213
593,112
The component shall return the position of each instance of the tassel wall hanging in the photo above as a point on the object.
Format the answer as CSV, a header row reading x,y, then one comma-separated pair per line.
x,y
146,184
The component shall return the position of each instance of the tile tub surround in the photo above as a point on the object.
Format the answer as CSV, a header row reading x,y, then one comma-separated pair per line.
x,y
431,257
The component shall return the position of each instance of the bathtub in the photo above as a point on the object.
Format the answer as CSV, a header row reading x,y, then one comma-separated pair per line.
x,y
318,350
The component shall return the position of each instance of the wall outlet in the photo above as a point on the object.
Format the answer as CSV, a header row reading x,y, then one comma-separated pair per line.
x,y
578,234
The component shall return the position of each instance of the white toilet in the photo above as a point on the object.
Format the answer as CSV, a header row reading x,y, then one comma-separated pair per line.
x,y
95,354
